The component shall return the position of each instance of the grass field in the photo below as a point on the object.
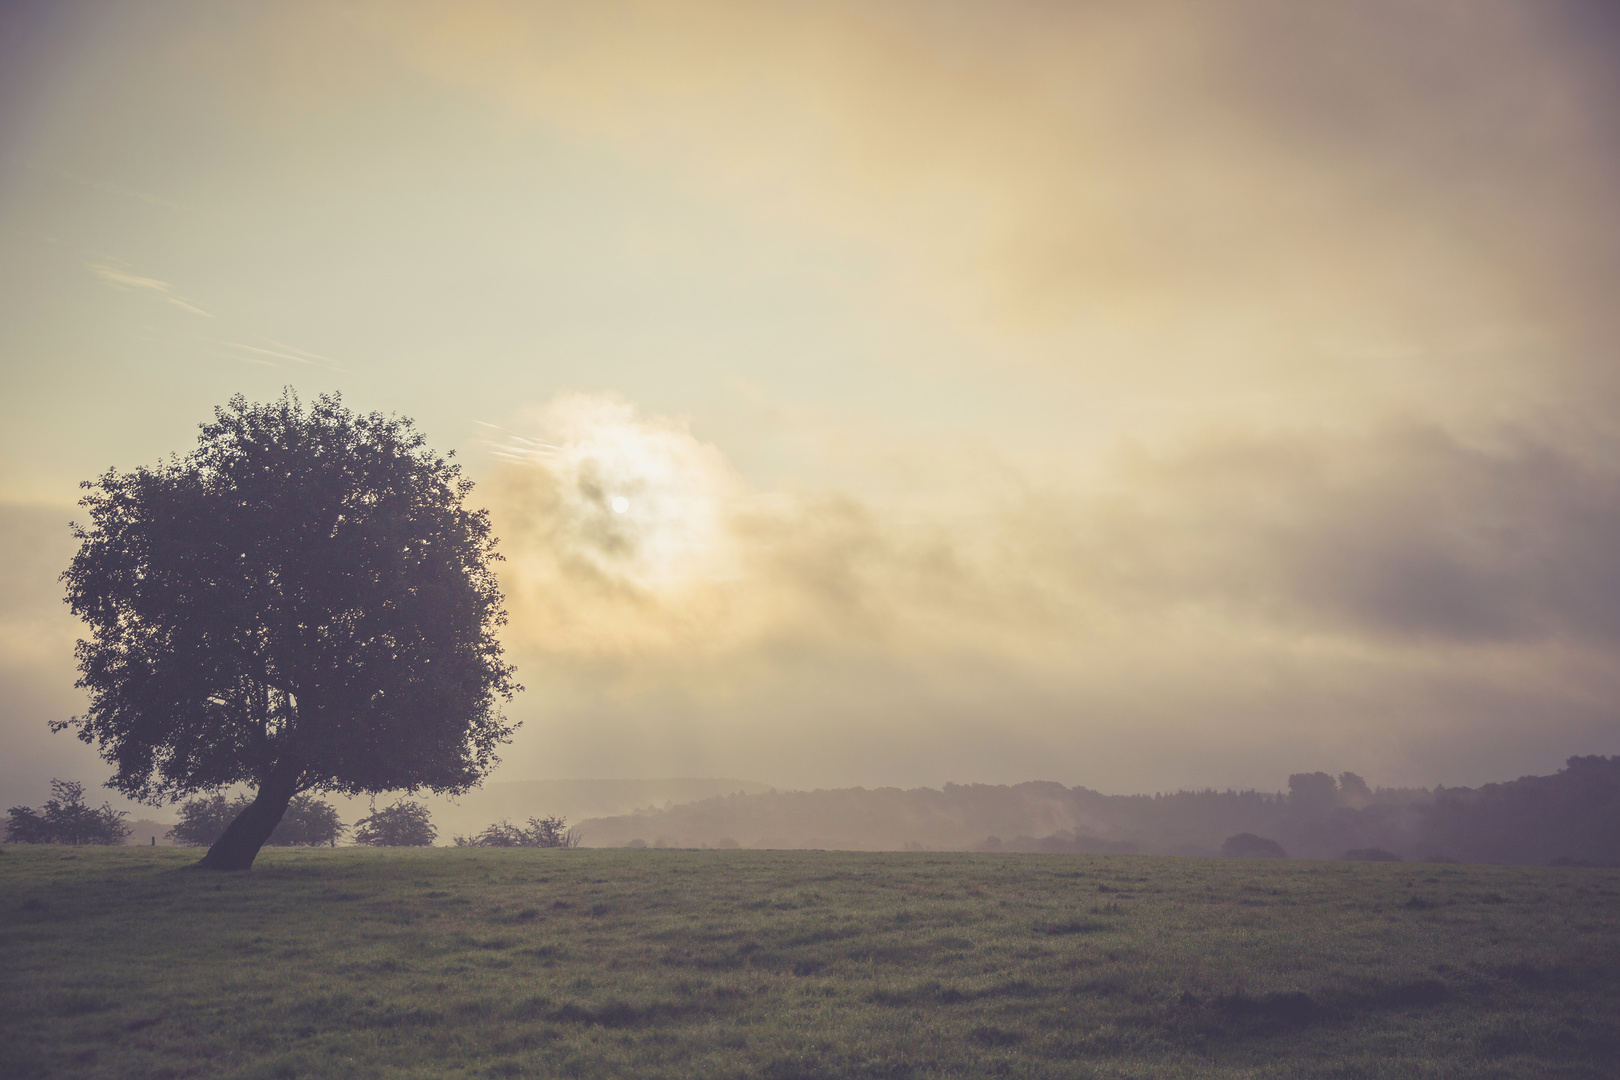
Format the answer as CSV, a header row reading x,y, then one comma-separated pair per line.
x,y
503,963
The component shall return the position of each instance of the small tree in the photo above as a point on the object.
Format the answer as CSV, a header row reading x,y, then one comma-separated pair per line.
x,y
547,832
67,819
24,826
404,824
308,822
303,603
203,819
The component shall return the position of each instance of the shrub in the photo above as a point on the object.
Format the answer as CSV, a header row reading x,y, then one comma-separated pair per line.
x,y
404,824
23,826
547,832
308,822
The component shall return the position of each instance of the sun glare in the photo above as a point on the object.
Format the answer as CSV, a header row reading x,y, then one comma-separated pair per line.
x,y
589,446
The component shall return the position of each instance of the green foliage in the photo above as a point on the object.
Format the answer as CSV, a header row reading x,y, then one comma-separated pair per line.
x,y
304,589
67,819
546,832
301,603
476,962
309,822
404,824
24,826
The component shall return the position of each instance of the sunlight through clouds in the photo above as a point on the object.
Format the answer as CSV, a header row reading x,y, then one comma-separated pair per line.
x,y
604,509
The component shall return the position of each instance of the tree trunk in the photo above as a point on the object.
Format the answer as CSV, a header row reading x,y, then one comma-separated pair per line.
x,y
239,845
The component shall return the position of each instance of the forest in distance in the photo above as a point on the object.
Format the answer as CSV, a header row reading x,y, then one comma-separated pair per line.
x,y
1572,816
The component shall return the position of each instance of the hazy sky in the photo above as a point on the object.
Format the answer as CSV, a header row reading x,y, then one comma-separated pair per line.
x,y
1128,394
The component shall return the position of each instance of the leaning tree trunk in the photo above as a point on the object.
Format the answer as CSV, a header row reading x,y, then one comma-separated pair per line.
x,y
239,845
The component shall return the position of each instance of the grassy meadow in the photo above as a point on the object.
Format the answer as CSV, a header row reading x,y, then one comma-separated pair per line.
x,y
504,963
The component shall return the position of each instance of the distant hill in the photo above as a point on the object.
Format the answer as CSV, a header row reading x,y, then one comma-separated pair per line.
x,y
1573,815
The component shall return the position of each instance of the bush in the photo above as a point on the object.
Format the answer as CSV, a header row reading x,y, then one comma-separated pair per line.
x,y
23,826
1246,845
67,819
204,818
308,822
548,832
404,824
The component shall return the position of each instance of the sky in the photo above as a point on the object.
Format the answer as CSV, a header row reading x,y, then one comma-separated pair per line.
x,y
1136,395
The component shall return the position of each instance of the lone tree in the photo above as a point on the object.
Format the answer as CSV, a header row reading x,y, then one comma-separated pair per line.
x,y
302,603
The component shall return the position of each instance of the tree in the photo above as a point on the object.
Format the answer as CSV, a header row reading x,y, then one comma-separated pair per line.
x,y
1311,795
67,819
24,826
203,819
404,824
308,822
302,603
547,832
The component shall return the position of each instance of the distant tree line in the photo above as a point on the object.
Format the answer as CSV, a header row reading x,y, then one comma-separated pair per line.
x,y
66,819
1571,816
308,822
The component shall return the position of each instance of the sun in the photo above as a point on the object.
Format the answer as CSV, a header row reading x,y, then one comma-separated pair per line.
x,y
601,459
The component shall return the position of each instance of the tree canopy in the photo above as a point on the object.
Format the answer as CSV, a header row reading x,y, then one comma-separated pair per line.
x,y
302,603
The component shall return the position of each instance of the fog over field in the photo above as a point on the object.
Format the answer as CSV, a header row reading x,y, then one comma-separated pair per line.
x,y
1137,397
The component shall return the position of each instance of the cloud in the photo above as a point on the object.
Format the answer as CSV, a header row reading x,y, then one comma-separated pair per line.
x,y
1333,283
269,352
1398,583
126,280
1165,203
1398,534
618,522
